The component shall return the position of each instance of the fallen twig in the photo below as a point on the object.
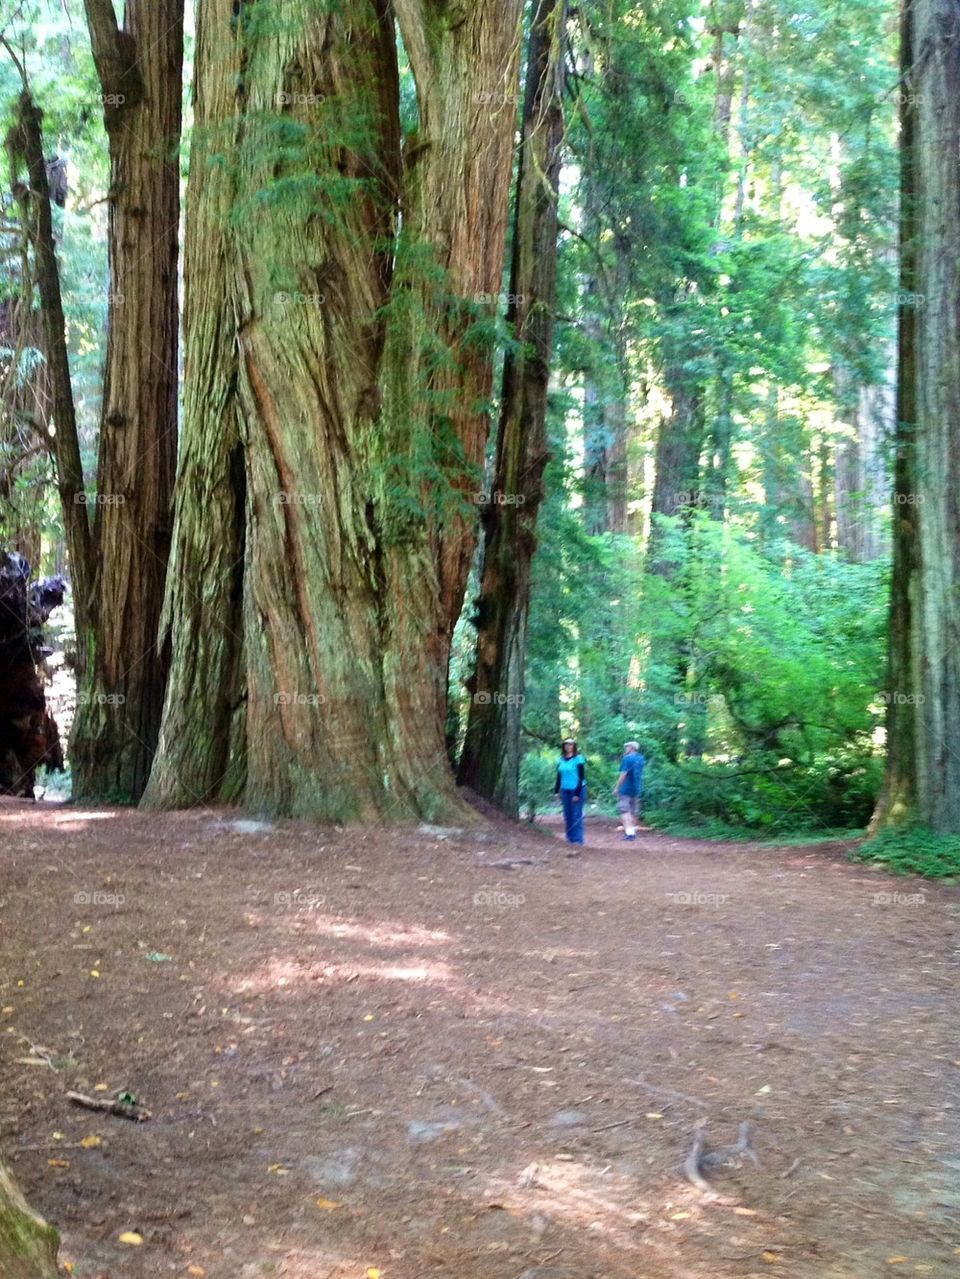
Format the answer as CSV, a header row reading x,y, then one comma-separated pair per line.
x,y
657,1091
620,1123
124,1104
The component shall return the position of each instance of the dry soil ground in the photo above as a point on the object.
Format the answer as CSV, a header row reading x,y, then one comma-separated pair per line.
x,y
378,1052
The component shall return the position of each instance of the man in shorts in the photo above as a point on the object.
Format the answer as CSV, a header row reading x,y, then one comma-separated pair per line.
x,y
629,788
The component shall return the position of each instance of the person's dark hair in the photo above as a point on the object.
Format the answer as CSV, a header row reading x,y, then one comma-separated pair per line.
x,y
568,741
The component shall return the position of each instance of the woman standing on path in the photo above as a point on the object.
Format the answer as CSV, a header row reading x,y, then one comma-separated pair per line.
x,y
572,785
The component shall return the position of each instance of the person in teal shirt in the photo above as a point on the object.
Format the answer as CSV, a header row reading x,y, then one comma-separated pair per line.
x,y
571,784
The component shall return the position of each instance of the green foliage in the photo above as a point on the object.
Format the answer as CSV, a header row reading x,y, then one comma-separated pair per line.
x,y
537,774
914,850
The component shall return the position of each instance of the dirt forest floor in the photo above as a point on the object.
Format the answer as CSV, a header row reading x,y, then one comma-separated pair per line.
x,y
381,1055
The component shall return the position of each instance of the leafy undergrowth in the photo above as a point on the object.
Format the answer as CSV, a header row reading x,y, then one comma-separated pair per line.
x,y
914,850
714,829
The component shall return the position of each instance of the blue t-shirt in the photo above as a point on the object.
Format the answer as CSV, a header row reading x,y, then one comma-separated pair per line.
x,y
569,770
633,765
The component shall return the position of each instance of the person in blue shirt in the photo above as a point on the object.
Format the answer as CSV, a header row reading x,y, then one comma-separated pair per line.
x,y
572,786
629,787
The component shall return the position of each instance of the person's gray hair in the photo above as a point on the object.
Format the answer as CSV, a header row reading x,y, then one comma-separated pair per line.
x,y
632,746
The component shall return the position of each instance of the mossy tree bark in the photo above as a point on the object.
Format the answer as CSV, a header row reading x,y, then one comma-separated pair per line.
x,y
118,715
28,1246
491,754
344,349
922,782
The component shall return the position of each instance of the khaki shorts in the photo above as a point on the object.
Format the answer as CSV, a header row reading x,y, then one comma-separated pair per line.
x,y
628,804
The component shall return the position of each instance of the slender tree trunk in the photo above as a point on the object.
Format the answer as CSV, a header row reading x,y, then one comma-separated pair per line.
x,y
120,702
359,400
491,754
922,781
860,483
25,145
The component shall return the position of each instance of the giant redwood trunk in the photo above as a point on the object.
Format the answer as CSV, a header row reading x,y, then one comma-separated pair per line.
x,y
922,780
491,753
121,694
336,382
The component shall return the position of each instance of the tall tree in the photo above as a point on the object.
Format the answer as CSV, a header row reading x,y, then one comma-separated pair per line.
x,y
24,145
140,67
922,781
490,760
334,275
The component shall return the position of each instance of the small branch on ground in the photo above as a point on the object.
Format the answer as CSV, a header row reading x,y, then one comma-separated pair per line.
x,y
123,1104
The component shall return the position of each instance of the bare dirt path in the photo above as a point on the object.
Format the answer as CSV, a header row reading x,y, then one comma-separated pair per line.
x,y
377,1051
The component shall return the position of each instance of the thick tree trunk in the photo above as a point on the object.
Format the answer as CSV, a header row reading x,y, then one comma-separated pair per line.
x,y
491,753
200,753
28,1246
359,399
121,699
922,780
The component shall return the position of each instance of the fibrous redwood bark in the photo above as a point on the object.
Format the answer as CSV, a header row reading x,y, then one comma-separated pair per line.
x,y
922,781
345,352
121,695
491,753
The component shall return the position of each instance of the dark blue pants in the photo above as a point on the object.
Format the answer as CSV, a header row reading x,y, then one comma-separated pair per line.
x,y
573,814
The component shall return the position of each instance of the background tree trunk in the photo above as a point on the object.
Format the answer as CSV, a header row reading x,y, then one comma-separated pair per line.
x,y
121,699
922,780
25,146
490,760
